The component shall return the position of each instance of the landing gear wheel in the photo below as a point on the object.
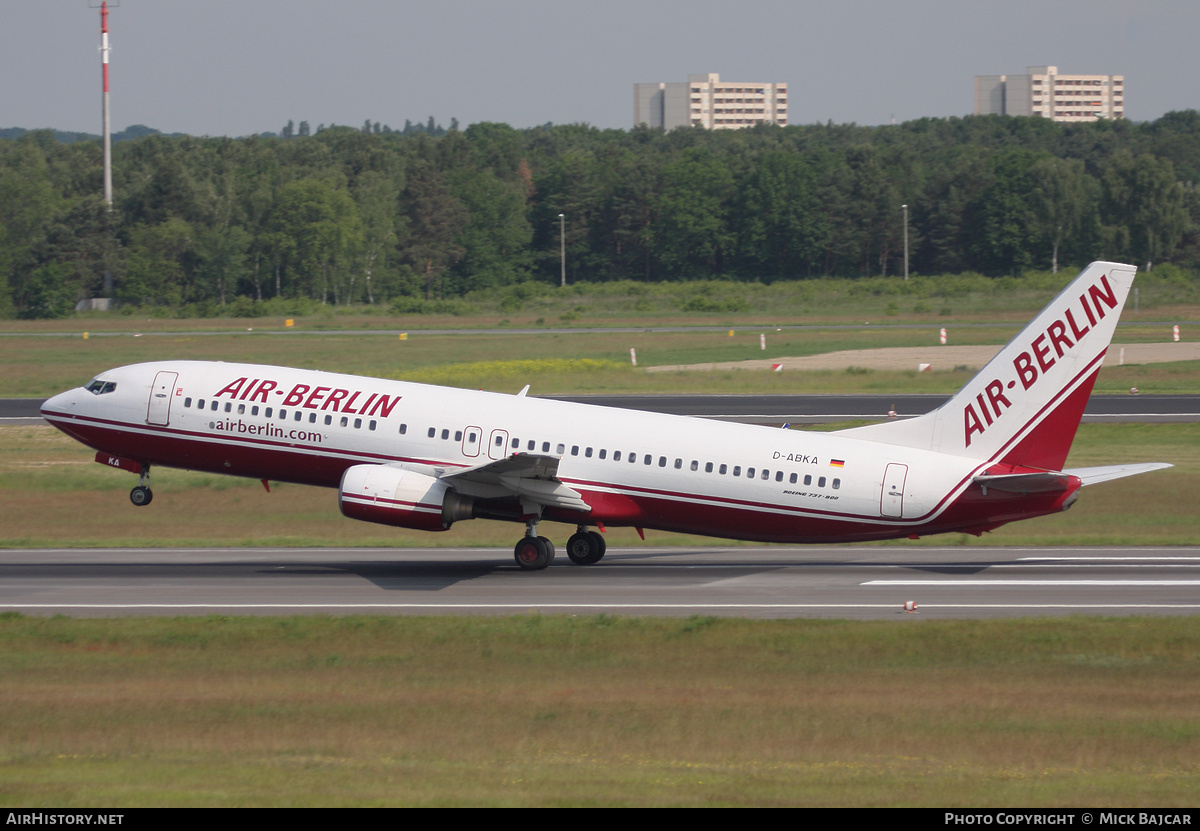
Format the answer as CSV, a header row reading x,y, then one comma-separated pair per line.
x,y
586,548
598,541
141,496
533,553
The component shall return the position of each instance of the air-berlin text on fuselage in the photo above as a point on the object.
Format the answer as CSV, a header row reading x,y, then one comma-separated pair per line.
x,y
311,398
1043,352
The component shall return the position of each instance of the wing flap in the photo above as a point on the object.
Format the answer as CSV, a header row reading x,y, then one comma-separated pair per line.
x,y
531,477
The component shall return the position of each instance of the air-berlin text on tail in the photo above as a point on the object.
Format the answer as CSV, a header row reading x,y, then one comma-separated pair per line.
x,y
1063,334
311,398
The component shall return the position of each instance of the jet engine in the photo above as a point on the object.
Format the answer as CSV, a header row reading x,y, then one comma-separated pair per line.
x,y
395,496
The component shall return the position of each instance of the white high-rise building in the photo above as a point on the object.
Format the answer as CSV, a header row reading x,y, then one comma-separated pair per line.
x,y
1043,92
704,101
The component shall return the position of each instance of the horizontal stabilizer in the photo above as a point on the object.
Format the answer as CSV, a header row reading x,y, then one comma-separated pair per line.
x,y
1039,482
1092,475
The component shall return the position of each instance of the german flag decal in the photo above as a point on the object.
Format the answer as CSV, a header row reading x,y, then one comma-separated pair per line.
x,y
837,463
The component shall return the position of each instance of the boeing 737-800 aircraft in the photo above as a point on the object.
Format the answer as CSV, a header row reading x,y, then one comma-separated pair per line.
x,y
419,456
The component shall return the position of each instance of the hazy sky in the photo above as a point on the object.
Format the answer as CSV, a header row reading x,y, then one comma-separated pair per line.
x,y
234,67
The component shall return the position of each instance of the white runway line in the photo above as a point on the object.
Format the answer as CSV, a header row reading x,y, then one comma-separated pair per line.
x,y
1053,583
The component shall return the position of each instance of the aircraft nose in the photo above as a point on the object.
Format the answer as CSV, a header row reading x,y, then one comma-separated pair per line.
x,y
61,404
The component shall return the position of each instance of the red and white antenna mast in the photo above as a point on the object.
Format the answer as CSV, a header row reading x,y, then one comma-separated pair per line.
x,y
108,188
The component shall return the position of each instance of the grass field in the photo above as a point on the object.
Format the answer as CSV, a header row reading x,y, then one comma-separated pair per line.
x,y
538,710
555,362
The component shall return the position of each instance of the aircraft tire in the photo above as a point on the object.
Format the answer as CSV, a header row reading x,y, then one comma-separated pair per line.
x,y
601,546
585,548
141,496
533,553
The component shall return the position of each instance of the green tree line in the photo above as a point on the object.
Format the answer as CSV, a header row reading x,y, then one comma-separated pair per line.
x,y
370,215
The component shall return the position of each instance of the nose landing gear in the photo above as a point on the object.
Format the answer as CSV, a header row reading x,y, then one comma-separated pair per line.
x,y
141,495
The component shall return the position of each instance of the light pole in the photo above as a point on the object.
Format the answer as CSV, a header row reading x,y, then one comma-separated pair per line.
x,y
562,245
905,208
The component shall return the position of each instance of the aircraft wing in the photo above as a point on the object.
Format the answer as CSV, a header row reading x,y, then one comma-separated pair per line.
x,y
531,477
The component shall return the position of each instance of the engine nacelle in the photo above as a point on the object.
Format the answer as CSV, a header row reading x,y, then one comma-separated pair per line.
x,y
395,496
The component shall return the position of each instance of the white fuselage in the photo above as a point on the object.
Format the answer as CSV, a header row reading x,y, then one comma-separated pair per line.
x,y
632,468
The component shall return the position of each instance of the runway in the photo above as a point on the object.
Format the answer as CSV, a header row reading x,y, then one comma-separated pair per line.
x,y
752,582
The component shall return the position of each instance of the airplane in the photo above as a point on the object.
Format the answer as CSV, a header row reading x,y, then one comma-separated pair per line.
x,y
424,457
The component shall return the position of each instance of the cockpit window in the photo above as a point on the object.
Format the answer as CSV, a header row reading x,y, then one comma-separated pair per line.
x,y
98,387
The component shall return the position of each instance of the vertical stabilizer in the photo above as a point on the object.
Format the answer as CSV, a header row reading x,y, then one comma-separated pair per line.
x,y
1023,407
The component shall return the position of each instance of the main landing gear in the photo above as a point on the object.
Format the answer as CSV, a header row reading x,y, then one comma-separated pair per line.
x,y
585,547
534,553
141,495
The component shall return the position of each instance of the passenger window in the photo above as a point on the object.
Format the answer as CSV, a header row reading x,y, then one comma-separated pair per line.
x,y
532,445
603,453
472,436
500,441
562,448
371,425
241,409
721,470
299,416
403,429
749,473
282,414
837,483
662,461
357,423
445,433
267,412
312,418
649,459
328,419
254,410
200,404
821,482
792,478
574,450
228,407
633,458
458,435
737,470
679,464
779,476
345,421
187,402
696,465
432,431
766,474
807,479
708,467
616,455
545,447
214,406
